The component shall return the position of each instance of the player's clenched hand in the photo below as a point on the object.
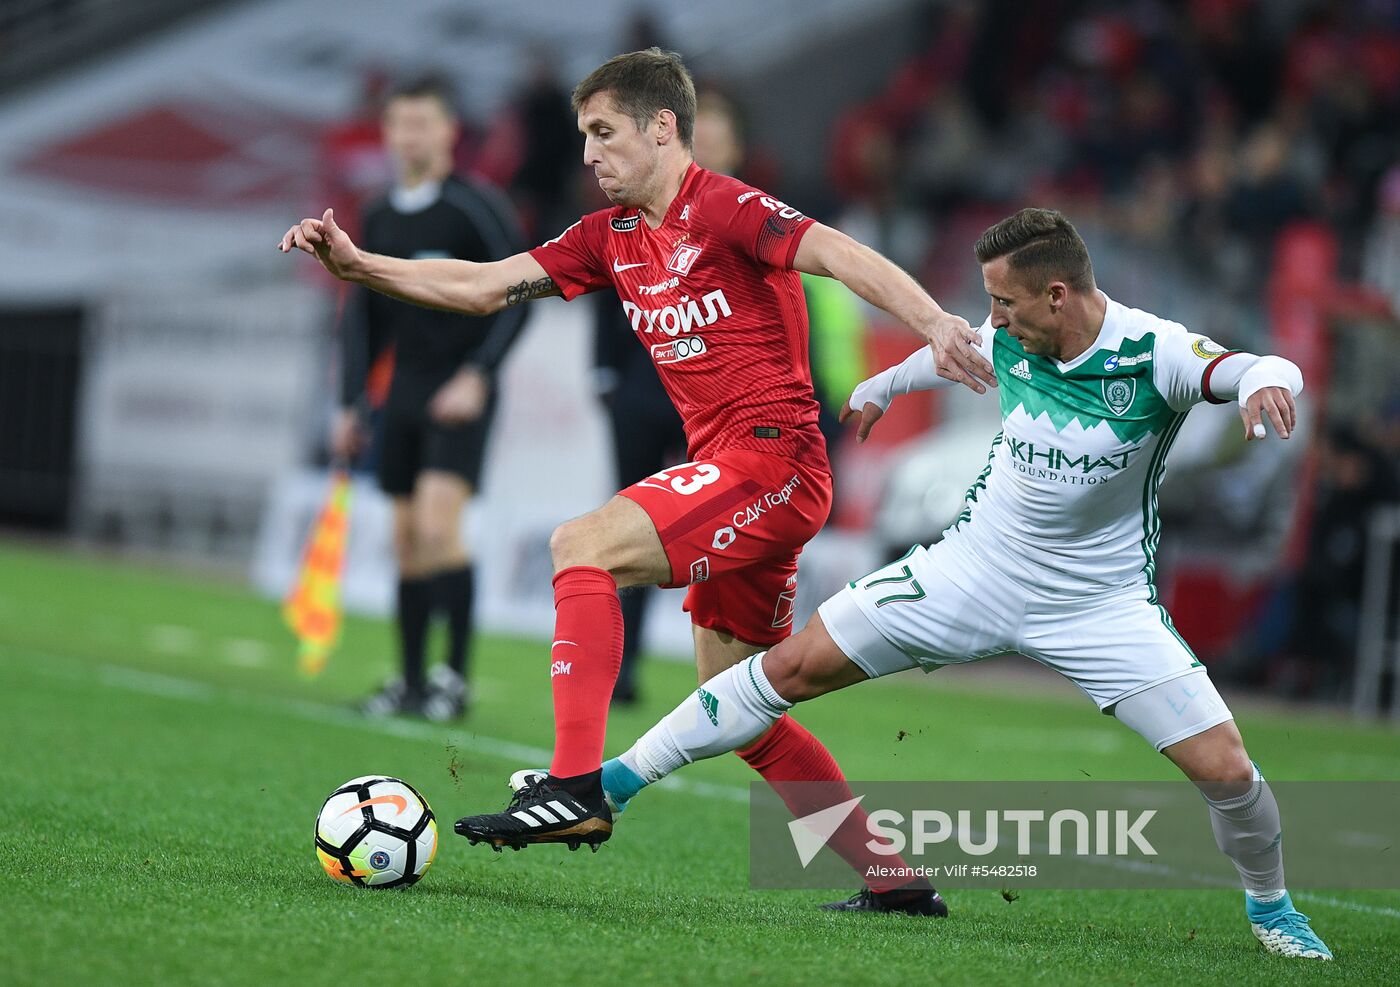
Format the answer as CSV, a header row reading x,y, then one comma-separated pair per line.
x,y
1277,404
868,415
325,241
462,399
954,344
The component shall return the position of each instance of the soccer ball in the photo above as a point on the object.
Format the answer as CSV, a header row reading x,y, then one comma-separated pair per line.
x,y
376,832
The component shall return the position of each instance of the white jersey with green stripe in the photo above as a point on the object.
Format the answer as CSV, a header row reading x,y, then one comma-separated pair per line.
x,y
1068,500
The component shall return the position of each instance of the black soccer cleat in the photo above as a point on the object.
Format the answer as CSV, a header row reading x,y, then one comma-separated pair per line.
x,y
394,699
447,697
925,902
539,812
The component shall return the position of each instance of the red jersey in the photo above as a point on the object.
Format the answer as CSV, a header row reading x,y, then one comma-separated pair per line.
x,y
712,294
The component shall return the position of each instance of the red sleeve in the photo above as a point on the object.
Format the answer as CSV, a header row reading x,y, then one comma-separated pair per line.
x,y
572,258
753,223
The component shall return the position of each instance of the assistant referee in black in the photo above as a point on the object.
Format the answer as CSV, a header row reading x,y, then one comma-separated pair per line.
x,y
442,394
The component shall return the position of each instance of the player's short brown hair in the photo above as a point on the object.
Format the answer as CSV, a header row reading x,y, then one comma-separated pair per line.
x,y
1041,246
642,84
425,85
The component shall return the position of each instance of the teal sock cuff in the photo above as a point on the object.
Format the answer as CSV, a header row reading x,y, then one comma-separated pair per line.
x,y
620,781
1256,908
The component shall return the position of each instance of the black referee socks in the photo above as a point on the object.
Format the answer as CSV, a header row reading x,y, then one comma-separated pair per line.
x,y
454,594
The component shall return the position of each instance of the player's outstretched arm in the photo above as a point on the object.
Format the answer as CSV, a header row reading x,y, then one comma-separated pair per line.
x,y
1264,386
453,285
831,253
871,397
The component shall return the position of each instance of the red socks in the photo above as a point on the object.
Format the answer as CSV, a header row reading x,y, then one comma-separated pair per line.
x,y
584,661
789,753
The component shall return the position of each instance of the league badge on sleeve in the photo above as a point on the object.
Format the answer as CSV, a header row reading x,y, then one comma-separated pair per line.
x,y
1207,349
1118,394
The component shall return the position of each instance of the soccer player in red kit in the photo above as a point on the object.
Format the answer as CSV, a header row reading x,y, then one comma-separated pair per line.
x,y
707,271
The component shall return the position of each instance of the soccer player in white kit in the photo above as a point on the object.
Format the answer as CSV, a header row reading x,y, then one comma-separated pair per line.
x,y
1053,554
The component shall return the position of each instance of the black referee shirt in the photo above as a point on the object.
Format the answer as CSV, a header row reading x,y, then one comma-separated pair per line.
x,y
468,220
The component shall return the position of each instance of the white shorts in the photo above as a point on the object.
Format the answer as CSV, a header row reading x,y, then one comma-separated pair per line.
x,y
939,606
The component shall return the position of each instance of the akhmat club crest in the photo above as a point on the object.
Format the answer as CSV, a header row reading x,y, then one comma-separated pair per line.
x,y
1118,394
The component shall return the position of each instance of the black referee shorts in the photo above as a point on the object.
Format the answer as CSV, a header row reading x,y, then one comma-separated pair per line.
x,y
411,441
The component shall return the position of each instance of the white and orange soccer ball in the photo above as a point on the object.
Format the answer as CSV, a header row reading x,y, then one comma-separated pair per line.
x,y
376,832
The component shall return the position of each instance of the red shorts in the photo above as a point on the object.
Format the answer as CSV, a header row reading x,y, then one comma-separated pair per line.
x,y
732,528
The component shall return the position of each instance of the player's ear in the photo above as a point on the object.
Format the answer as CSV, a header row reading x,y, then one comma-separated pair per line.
x,y
1058,292
664,126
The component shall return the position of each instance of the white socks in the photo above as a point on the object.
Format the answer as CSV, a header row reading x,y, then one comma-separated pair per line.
x,y
1248,831
726,713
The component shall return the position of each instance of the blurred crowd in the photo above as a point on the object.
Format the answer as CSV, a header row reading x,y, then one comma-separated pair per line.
x,y
1206,125
1237,148
1221,156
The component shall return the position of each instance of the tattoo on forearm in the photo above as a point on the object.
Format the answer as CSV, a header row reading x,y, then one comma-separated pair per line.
x,y
526,290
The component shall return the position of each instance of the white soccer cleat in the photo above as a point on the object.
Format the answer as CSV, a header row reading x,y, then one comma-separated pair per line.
x,y
1284,931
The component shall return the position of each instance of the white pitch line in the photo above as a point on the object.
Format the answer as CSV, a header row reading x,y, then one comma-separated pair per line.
x,y
507,750
152,684
172,639
1352,906
245,652
171,687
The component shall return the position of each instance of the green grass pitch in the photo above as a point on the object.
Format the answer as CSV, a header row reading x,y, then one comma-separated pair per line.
x,y
163,764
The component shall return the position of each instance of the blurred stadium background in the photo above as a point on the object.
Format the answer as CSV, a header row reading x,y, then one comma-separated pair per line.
x,y
166,378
